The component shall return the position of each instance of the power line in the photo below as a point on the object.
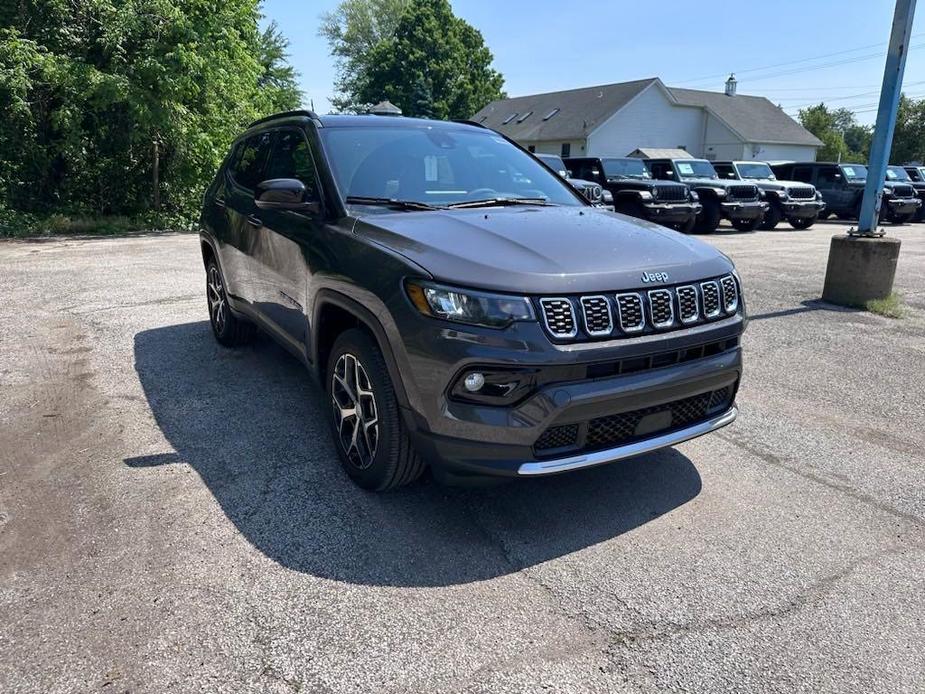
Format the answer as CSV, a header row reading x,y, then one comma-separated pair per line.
x,y
794,62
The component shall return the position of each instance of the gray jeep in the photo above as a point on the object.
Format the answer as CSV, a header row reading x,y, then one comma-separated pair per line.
x,y
798,203
741,203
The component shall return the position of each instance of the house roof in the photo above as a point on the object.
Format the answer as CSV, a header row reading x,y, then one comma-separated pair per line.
x,y
580,111
754,118
659,153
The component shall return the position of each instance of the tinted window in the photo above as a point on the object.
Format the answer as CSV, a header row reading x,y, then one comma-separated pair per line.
x,y
896,173
725,170
914,174
247,169
695,168
754,171
625,168
854,172
291,158
661,170
436,165
804,174
554,162
828,176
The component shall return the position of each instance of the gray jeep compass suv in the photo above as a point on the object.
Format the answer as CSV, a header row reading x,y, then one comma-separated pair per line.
x,y
462,306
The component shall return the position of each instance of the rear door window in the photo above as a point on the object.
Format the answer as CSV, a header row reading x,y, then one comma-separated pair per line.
x,y
804,174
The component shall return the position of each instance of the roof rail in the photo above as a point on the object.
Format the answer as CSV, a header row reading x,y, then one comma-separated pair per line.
x,y
285,114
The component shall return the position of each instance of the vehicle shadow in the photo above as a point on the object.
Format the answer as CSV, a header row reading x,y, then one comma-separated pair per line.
x,y
253,424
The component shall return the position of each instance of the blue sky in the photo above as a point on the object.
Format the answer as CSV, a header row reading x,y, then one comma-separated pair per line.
x,y
550,45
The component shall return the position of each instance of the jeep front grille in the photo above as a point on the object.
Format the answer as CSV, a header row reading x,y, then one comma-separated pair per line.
x,y
671,193
629,310
609,315
661,308
596,311
903,191
559,316
802,193
749,192
636,425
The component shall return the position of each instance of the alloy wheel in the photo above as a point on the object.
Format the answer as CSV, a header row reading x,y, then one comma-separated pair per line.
x,y
215,293
356,417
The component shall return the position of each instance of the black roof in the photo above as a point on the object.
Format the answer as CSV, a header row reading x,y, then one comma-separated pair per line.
x,y
332,120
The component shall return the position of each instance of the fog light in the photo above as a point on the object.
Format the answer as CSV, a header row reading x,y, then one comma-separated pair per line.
x,y
474,382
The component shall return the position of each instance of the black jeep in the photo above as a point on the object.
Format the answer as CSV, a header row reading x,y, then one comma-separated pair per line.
x,y
596,194
740,203
913,175
463,307
636,194
842,188
798,203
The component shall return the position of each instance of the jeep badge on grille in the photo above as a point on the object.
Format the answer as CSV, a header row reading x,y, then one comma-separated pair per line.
x,y
655,277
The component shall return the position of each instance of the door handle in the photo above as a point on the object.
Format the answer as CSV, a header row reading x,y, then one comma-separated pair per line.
x,y
254,220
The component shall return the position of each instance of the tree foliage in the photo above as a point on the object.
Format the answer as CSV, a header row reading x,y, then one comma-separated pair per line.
x,y
909,136
352,30
844,139
428,62
118,106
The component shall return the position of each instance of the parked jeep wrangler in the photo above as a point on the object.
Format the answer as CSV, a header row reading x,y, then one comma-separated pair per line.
x,y
842,188
596,194
798,203
463,307
913,178
636,194
740,203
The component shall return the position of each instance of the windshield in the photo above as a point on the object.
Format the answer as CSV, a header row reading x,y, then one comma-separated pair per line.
x,y
756,171
854,172
555,163
896,173
625,168
695,168
436,165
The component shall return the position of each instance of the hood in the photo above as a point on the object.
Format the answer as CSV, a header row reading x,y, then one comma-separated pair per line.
x,y
581,183
714,182
777,184
639,184
542,250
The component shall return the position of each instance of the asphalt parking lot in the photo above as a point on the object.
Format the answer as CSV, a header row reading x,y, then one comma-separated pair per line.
x,y
172,517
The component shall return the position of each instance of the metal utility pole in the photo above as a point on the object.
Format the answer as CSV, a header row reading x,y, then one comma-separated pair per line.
x,y
886,115
862,263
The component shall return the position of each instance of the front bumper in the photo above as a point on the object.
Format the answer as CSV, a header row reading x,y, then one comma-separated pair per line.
x,y
733,210
671,212
481,440
900,206
801,209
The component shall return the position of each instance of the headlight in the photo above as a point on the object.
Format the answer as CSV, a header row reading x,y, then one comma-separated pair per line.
x,y
608,197
645,195
468,306
783,194
818,195
694,196
886,191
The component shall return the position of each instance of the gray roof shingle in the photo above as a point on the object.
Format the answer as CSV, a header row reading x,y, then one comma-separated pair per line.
x,y
753,117
582,110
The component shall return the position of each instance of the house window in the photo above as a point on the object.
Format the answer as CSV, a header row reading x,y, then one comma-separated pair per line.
x,y
566,149
509,119
551,114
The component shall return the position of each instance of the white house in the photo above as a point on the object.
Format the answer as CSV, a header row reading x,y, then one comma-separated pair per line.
x,y
615,119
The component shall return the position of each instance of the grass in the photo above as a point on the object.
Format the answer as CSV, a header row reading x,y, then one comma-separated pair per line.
x,y
24,225
890,307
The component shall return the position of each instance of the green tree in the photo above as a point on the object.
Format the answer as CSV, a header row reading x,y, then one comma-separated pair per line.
x,y
353,29
279,80
432,47
128,106
843,138
909,136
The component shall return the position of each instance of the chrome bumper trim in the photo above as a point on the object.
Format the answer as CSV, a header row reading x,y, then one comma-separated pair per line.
x,y
548,467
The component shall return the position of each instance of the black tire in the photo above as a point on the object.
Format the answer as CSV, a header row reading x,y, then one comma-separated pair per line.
x,y
920,214
746,224
708,219
385,459
771,218
688,226
229,330
824,215
802,222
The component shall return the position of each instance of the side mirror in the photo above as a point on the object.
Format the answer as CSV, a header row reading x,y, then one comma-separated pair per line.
x,y
285,194
730,174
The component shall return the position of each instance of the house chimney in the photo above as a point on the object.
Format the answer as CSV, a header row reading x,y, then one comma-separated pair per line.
x,y
731,85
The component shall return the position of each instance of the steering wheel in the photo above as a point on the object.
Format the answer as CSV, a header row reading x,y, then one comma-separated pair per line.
x,y
480,193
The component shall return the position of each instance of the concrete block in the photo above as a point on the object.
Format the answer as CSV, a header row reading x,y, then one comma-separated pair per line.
x,y
860,269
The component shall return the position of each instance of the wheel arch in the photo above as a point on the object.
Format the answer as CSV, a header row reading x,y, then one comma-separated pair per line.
x,y
334,313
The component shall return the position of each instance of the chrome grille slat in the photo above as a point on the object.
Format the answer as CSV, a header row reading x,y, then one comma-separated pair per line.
x,y
743,192
559,316
711,304
661,308
630,313
802,193
595,310
730,294
688,309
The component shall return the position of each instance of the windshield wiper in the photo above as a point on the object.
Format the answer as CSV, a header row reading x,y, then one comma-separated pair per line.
x,y
390,202
492,202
